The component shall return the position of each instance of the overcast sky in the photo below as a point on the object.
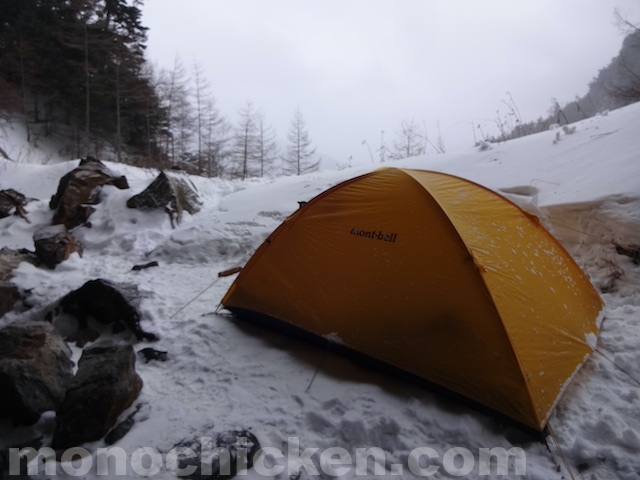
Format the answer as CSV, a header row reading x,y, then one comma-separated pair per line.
x,y
359,67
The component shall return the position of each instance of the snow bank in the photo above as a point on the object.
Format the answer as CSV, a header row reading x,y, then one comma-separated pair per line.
x,y
223,373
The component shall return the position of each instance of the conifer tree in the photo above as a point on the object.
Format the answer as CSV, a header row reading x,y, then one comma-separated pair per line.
x,y
245,148
300,157
410,140
267,147
79,65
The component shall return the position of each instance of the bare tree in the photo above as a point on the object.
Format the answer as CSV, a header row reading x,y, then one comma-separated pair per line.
x,y
201,92
267,147
624,84
629,92
23,85
625,25
410,140
383,151
245,144
183,132
174,95
216,140
440,146
557,112
300,157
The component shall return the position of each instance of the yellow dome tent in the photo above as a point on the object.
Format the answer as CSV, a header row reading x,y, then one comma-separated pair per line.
x,y
434,275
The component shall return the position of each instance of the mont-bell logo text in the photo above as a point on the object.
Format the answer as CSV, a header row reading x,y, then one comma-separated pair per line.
x,y
374,234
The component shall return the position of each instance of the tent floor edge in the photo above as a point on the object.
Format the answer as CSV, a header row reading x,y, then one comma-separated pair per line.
x,y
523,432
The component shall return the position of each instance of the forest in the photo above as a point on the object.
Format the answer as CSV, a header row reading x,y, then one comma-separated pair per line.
x,y
76,71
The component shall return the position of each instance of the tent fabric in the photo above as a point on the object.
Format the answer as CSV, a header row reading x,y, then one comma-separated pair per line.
x,y
434,275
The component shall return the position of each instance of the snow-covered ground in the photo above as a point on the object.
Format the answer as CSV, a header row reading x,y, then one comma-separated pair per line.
x,y
224,374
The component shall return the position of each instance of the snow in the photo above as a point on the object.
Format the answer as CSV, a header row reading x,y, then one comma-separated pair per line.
x,y
224,373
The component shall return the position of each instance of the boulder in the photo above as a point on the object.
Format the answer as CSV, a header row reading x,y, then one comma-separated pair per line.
x,y
108,304
151,354
54,244
5,466
12,201
9,296
121,429
172,194
10,259
83,336
105,385
35,371
79,189
631,251
207,465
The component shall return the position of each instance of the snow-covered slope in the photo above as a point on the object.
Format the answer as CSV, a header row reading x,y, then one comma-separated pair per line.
x,y
584,183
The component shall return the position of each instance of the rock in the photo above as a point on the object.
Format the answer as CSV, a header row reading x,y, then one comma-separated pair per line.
x,y
54,244
149,354
10,259
234,442
105,385
35,371
137,268
172,194
5,461
5,472
82,337
121,429
631,251
79,189
9,296
107,303
12,200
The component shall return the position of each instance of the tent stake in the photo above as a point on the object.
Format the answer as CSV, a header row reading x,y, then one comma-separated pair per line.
x,y
320,363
